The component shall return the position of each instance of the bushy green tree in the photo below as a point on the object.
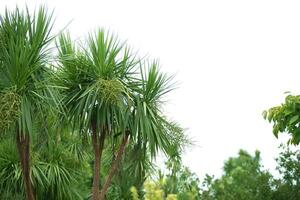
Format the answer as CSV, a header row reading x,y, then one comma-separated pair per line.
x,y
243,179
288,186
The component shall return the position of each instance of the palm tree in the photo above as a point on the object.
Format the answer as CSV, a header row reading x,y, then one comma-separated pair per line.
x,y
23,89
95,91
146,124
109,96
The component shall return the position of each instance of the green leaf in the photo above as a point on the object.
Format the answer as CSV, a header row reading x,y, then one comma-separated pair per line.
x,y
293,119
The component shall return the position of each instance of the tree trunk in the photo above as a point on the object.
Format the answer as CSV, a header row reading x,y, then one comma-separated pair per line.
x,y
114,166
23,145
98,149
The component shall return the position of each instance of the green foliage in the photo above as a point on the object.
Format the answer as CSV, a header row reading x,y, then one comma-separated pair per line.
x,y
24,39
11,180
286,118
55,172
153,191
177,184
288,187
108,92
93,81
243,179
103,82
63,172
149,123
24,53
180,180
135,168
9,108
134,193
100,85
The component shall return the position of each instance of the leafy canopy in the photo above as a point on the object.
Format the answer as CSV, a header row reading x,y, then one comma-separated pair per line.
x,y
286,118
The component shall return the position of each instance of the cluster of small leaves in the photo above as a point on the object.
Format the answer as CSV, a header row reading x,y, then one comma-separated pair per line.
x,y
153,191
180,180
289,166
9,108
288,187
286,118
134,193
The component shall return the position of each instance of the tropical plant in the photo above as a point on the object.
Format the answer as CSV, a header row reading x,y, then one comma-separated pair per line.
x,y
56,171
11,180
110,96
24,39
135,167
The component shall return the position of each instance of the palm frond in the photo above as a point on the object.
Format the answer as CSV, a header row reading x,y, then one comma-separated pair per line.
x,y
149,123
93,78
24,58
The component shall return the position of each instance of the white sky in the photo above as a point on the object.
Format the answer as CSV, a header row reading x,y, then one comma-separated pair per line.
x,y
233,59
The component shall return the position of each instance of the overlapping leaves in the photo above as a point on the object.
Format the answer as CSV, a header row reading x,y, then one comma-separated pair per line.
x,y
286,118
23,60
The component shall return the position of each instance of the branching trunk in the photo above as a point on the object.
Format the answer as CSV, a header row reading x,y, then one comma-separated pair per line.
x,y
98,143
114,166
23,145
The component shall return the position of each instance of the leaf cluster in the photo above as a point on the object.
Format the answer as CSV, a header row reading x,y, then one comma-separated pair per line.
x,y
286,118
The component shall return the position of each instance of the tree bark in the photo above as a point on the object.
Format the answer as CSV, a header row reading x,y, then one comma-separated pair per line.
x,y
23,145
114,166
98,149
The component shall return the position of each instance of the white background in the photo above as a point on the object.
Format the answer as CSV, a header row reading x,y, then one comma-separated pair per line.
x,y
233,59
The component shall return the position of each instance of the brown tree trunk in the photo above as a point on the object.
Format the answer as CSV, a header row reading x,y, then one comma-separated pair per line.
x,y
98,149
23,145
114,166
